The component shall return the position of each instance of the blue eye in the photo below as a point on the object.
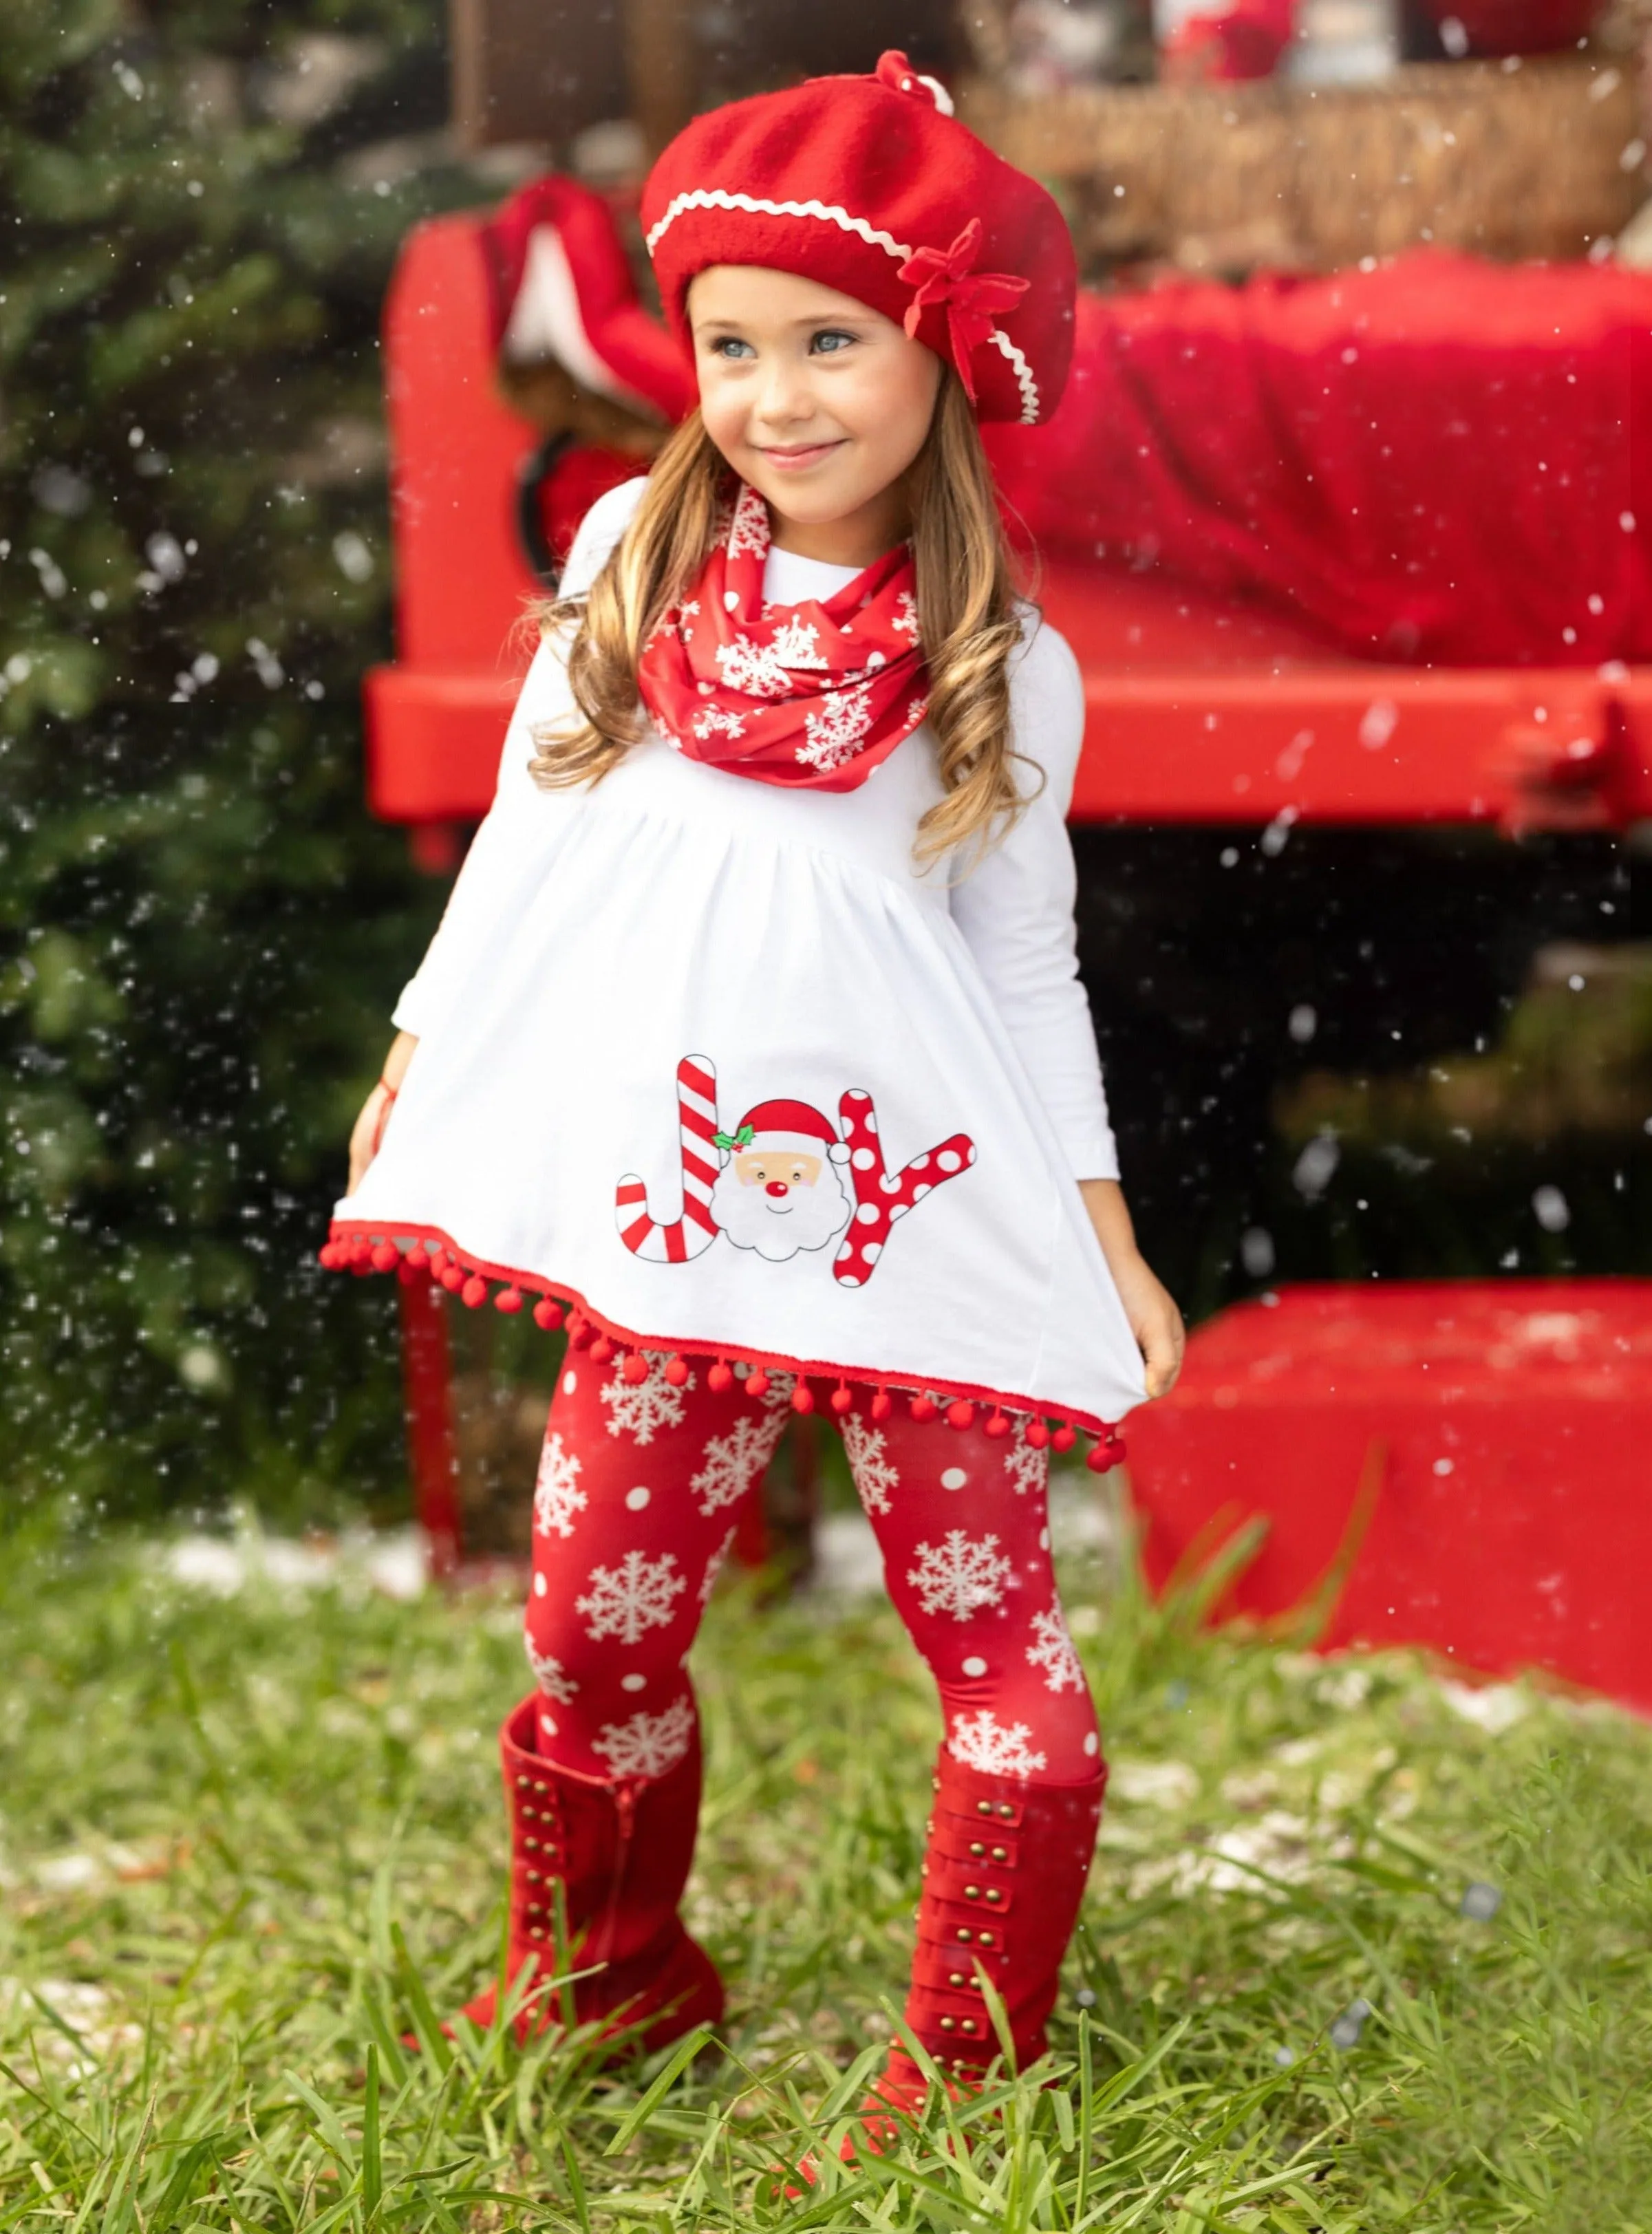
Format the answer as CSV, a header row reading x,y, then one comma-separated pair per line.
x,y
831,341
729,347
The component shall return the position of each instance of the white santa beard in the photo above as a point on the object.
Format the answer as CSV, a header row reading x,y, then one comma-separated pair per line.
x,y
810,1218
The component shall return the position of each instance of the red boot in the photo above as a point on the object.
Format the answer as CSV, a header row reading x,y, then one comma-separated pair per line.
x,y
1003,1876
622,1852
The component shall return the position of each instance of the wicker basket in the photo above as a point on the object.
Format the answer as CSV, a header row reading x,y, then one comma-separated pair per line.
x,y
1538,159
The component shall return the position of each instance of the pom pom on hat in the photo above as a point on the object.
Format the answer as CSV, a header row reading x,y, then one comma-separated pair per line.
x,y
869,185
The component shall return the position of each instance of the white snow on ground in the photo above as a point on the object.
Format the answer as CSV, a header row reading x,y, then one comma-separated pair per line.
x,y
394,1563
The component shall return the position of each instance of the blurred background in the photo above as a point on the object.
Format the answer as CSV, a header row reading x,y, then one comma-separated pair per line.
x,y
1408,1041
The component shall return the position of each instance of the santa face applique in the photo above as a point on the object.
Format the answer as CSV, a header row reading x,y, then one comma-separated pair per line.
x,y
781,1189
785,1181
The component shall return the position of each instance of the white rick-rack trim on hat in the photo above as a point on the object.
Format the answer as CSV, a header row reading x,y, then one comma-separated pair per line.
x,y
1023,373
754,205
846,221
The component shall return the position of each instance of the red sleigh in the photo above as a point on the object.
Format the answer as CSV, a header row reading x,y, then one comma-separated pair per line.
x,y
1332,1411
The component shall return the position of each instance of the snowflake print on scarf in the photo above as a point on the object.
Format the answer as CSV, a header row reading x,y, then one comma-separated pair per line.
x,y
632,1598
748,529
652,1403
835,735
982,1742
760,670
734,1461
648,1745
1027,1468
716,724
555,1498
961,1576
547,1674
906,621
1055,1653
713,1567
874,1474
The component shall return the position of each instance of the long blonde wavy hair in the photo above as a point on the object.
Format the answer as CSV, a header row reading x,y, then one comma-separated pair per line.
x,y
966,602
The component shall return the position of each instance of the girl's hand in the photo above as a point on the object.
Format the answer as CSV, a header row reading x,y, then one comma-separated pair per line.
x,y
369,1128
1148,1304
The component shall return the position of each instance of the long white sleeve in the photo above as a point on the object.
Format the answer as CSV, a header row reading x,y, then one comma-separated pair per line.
x,y
1016,912
522,815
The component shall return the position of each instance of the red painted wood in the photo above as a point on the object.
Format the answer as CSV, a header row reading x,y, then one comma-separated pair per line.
x,y
1512,1422
427,1382
1198,711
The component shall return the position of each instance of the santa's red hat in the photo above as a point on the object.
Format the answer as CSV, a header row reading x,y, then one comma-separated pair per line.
x,y
560,287
870,185
793,1127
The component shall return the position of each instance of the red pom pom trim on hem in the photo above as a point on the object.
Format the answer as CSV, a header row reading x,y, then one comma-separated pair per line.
x,y
361,1250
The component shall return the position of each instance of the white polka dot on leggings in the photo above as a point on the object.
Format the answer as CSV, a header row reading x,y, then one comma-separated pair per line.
x,y
569,1384
1093,1744
975,1665
633,1682
1043,1539
540,1586
636,1499
954,1478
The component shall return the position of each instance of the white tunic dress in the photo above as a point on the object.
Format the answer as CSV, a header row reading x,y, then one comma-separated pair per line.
x,y
622,973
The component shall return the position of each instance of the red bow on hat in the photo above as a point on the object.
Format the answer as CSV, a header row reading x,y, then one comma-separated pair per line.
x,y
972,299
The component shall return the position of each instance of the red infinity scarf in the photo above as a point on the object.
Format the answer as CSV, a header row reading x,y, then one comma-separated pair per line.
x,y
817,693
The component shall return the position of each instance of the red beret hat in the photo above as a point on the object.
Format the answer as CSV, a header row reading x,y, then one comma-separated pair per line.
x,y
870,185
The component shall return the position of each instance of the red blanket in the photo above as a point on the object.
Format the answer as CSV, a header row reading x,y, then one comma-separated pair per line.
x,y
1429,462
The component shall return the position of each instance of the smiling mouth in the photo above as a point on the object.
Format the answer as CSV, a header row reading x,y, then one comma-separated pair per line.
x,y
805,454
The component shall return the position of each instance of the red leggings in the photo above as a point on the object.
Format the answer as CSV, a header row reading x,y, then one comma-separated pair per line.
x,y
639,1493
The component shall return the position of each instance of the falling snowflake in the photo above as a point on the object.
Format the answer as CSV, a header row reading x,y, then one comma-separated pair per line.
x,y
713,723
628,1600
1027,1468
714,1568
555,1498
874,1474
906,621
1054,1653
982,1742
652,1403
648,1745
734,1461
959,1577
836,736
748,529
547,1674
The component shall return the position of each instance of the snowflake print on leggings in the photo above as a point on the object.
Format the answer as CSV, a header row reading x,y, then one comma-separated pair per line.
x,y
1054,1652
961,1574
632,1598
1027,1468
547,1674
555,1498
734,1461
638,1411
874,1474
713,1567
648,1745
996,1748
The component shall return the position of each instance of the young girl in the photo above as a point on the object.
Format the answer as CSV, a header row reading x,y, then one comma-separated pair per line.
x,y
752,1037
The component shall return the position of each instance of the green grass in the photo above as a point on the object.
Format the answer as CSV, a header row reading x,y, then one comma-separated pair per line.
x,y
245,1844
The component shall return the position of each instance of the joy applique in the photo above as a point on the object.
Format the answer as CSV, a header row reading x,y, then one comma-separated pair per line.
x,y
786,1180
